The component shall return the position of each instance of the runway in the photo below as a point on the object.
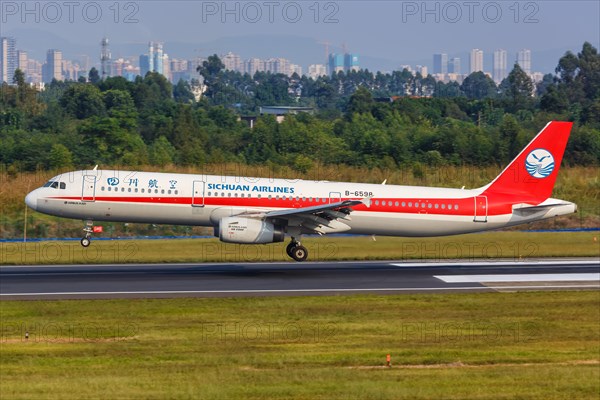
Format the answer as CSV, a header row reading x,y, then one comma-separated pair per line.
x,y
294,279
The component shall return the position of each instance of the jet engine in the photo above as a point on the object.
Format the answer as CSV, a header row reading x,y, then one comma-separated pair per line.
x,y
248,231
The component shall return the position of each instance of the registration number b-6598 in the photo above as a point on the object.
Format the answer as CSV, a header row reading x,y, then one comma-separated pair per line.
x,y
358,193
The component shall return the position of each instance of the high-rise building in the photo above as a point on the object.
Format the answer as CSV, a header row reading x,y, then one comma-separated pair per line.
x,y
254,65
23,62
52,69
232,62
454,66
154,61
500,71
277,66
336,63
144,64
317,70
440,63
524,60
8,59
294,69
105,57
158,60
422,69
351,62
476,61
166,67
343,62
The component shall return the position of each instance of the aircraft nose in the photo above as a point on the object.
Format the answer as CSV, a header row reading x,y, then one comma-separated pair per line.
x,y
31,200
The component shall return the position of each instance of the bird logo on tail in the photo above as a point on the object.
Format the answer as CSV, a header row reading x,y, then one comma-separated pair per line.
x,y
539,163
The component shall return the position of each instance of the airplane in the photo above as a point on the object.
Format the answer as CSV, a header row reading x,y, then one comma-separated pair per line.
x,y
247,210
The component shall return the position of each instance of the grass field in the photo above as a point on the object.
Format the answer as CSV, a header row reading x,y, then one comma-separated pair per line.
x,y
526,345
512,245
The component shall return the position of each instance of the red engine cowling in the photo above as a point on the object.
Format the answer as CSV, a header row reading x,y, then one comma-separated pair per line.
x,y
248,231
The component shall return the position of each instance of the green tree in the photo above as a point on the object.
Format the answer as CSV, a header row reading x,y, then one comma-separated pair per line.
x,y
83,100
182,92
518,89
478,86
94,76
60,156
161,152
360,102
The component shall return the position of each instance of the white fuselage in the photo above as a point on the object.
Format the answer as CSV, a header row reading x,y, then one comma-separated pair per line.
x,y
203,200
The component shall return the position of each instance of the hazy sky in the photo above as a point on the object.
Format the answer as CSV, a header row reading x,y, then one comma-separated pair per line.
x,y
412,29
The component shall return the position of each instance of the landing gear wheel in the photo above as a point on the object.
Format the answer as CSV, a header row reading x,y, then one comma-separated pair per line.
x,y
85,242
290,248
299,253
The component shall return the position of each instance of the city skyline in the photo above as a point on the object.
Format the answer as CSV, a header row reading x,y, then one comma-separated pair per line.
x,y
188,28
445,68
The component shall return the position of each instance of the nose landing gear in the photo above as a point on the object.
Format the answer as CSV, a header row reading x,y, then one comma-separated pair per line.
x,y
86,240
296,251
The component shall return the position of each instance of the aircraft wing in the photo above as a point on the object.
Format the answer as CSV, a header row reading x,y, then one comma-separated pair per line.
x,y
321,219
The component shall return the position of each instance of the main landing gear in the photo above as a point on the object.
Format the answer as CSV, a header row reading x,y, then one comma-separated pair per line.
x,y
87,237
296,251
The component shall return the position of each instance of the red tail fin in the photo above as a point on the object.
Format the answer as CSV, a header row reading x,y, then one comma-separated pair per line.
x,y
532,174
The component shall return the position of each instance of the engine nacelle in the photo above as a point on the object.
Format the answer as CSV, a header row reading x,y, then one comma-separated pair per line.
x,y
248,231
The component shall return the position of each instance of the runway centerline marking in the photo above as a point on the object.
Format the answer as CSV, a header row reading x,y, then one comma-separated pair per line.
x,y
519,278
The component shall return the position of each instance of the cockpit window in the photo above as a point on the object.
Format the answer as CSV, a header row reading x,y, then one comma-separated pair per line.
x,y
55,185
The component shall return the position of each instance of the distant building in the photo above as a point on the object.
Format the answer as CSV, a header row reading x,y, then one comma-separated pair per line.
x,y
23,62
524,60
422,69
336,63
281,111
144,64
105,57
476,61
454,66
8,59
232,62
155,60
537,76
254,65
343,63
440,63
317,70
500,70
351,62
52,69
277,66
295,69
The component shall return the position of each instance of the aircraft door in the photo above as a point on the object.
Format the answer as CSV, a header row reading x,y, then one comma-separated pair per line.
x,y
481,205
88,189
198,194
335,197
